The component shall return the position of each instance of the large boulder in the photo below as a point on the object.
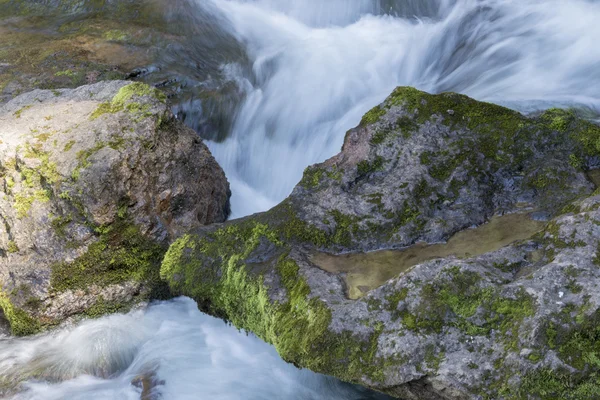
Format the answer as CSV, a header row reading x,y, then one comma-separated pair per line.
x,y
95,182
469,319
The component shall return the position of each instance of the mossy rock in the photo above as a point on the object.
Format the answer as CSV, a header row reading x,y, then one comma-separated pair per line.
x,y
91,200
422,167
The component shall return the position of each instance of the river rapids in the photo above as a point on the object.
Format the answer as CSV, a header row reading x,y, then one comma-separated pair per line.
x,y
311,69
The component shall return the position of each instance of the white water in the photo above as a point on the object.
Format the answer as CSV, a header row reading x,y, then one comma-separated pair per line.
x,y
197,357
317,66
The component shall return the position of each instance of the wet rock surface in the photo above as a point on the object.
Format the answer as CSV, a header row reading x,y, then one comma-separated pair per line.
x,y
520,321
169,44
95,182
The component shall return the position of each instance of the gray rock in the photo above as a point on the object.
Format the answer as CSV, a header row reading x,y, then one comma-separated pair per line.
x,y
95,182
489,320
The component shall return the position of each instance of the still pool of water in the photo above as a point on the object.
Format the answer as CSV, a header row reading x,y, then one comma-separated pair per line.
x,y
366,271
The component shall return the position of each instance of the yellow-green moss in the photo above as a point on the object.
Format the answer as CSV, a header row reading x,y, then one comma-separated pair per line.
x,y
21,323
18,113
115,35
68,72
69,145
121,253
297,327
122,101
47,170
12,247
23,202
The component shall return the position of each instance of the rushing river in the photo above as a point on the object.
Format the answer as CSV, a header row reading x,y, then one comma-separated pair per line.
x,y
311,69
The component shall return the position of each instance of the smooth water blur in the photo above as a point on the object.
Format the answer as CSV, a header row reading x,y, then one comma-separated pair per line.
x,y
184,353
318,66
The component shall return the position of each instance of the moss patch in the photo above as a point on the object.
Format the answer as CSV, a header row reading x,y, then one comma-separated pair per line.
x,y
122,101
455,301
21,324
120,254
297,327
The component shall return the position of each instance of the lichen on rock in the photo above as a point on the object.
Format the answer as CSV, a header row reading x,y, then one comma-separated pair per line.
x,y
514,322
90,202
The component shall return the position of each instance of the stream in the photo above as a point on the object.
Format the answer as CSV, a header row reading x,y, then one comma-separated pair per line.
x,y
303,73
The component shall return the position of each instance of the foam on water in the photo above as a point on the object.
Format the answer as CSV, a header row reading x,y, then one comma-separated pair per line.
x,y
189,355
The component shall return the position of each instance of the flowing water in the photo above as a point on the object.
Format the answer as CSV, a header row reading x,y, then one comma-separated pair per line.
x,y
307,72
318,66
172,349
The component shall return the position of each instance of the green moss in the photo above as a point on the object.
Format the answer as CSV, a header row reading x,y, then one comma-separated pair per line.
x,y
575,161
534,356
103,307
21,323
122,101
472,365
380,136
312,177
500,134
407,214
293,228
373,116
580,345
345,226
456,301
557,119
83,158
426,157
552,384
366,167
395,298
335,173
121,253
12,247
60,224
297,327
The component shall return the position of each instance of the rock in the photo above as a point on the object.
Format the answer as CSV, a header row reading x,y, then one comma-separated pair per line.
x,y
95,182
512,322
55,44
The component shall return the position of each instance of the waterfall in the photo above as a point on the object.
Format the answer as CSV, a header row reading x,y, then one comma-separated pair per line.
x,y
318,66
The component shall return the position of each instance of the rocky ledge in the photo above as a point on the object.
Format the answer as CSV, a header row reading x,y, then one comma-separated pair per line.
x,y
489,322
95,181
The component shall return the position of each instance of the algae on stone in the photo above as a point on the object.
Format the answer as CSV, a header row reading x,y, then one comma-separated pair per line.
x,y
88,206
421,167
